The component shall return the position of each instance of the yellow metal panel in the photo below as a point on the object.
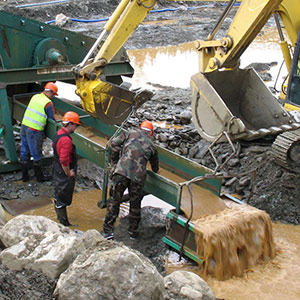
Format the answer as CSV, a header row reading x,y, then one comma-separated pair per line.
x,y
134,13
248,21
289,12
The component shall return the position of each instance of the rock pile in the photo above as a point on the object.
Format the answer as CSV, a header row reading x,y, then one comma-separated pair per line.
x,y
83,265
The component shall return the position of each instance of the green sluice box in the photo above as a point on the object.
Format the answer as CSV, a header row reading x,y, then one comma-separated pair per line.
x,y
177,235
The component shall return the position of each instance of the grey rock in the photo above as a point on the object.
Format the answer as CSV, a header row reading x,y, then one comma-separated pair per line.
x,y
183,285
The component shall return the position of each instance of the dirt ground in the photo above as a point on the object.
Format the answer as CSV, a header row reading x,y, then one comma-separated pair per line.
x,y
276,189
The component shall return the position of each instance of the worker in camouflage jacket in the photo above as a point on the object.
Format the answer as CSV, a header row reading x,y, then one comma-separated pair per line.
x,y
130,151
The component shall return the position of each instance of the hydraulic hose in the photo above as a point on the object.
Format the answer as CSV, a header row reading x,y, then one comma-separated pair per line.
x,y
42,3
152,11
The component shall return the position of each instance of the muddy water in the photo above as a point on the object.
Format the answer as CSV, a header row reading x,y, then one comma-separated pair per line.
x,y
277,279
234,240
83,211
174,65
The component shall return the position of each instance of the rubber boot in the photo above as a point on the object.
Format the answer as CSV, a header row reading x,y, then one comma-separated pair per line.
x,y
62,216
25,173
39,174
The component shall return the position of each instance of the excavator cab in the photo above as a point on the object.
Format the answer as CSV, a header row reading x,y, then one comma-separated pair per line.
x,y
293,91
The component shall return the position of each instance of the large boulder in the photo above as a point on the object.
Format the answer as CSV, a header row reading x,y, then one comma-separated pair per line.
x,y
51,254
37,243
113,271
22,226
183,285
2,216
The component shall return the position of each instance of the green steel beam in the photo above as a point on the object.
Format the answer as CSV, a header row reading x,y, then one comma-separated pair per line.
x,y
100,127
61,73
181,221
163,188
188,169
21,76
156,185
187,253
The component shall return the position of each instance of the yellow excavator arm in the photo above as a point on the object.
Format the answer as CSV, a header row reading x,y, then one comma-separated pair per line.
x,y
247,23
111,102
108,101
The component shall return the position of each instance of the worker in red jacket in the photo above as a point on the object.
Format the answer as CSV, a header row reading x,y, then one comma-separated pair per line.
x,y
64,166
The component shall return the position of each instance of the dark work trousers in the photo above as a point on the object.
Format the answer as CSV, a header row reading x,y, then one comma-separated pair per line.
x,y
31,144
119,184
64,188
63,184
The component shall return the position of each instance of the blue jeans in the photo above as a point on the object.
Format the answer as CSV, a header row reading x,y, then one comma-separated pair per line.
x,y
31,144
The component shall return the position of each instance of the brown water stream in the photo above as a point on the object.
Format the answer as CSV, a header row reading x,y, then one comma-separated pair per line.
x,y
278,279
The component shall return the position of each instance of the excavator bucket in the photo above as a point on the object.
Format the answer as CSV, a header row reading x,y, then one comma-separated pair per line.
x,y
110,102
236,102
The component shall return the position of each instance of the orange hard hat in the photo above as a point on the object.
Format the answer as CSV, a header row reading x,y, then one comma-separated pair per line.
x,y
71,116
147,126
52,87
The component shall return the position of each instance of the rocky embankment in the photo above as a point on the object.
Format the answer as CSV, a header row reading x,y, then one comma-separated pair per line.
x,y
82,265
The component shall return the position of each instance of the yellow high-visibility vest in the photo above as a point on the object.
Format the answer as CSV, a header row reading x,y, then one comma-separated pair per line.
x,y
35,116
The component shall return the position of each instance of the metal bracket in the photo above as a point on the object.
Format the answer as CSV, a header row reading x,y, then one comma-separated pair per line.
x,y
218,166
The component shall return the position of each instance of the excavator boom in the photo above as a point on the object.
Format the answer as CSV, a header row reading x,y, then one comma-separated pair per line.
x,y
227,102
248,21
109,101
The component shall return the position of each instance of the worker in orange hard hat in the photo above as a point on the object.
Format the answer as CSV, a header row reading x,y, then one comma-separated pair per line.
x,y
64,166
130,152
39,109
51,87
147,126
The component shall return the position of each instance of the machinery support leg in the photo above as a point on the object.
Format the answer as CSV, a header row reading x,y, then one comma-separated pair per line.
x,y
6,124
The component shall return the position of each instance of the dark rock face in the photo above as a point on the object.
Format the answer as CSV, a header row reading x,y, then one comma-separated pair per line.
x,y
25,284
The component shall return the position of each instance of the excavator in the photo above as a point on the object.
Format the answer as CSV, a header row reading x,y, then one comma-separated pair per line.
x,y
228,103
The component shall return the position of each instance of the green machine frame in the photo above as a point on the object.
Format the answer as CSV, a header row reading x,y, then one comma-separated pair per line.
x,y
33,53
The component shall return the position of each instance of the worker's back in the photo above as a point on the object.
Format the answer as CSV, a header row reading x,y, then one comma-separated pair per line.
x,y
136,149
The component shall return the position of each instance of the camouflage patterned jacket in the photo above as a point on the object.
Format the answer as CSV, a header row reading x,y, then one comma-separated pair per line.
x,y
135,148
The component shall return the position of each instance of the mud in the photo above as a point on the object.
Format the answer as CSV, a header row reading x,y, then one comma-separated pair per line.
x,y
276,189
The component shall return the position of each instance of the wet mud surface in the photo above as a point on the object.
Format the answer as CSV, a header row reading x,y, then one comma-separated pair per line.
x,y
276,189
